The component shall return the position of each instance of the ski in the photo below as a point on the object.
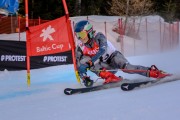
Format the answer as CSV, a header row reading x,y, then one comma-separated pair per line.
x,y
125,84
128,86
132,86
71,91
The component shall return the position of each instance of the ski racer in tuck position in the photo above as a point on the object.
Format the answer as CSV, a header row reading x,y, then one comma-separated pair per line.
x,y
95,53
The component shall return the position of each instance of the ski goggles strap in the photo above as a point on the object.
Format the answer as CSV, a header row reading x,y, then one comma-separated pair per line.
x,y
81,35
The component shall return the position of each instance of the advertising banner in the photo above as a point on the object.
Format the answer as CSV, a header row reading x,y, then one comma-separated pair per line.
x,y
13,57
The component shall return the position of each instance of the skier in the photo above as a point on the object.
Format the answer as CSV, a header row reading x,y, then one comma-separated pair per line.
x,y
95,53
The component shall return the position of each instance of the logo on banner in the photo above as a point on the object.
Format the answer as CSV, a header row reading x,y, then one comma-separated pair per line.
x,y
47,33
13,58
55,59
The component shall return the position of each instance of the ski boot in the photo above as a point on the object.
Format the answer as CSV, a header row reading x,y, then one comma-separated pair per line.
x,y
109,77
154,72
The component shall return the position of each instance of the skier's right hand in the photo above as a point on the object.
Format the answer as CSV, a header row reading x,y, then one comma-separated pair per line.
x,y
87,81
83,68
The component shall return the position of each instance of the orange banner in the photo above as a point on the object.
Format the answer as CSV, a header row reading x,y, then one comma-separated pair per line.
x,y
48,38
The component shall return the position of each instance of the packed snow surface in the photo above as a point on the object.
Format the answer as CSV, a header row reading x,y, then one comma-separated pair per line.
x,y
45,100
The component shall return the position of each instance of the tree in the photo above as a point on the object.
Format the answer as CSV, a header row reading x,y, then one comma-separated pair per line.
x,y
91,7
46,9
78,7
133,8
51,9
169,10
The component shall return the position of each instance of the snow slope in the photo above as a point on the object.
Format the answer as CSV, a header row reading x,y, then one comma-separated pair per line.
x,y
45,99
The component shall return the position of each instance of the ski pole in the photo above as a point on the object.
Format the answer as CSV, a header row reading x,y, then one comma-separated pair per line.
x,y
124,70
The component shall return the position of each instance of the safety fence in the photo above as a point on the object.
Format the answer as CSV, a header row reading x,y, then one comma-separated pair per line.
x,y
17,24
137,35
132,35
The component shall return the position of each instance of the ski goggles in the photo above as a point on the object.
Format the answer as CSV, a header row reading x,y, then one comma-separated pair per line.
x,y
81,35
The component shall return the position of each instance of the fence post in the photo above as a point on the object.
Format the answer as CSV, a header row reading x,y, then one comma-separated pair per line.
x,y
39,19
105,29
170,40
178,32
121,34
160,34
135,34
173,35
11,24
73,30
19,26
164,40
147,37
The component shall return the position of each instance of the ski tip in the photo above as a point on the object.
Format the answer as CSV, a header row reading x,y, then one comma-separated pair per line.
x,y
164,75
125,86
68,91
